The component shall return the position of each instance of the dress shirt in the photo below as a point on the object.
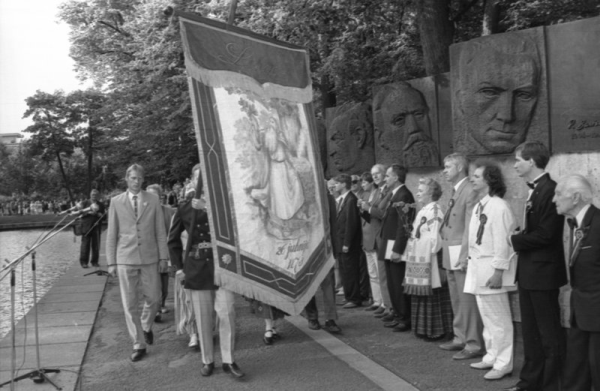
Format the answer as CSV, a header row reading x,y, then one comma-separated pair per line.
x,y
139,199
459,183
581,215
340,199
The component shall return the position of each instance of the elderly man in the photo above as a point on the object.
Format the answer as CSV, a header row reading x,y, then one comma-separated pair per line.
x,y
467,325
136,247
573,199
540,273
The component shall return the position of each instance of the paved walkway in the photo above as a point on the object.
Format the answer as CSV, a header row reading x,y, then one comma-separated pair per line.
x,y
66,316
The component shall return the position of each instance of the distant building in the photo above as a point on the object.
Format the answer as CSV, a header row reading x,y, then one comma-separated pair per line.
x,y
11,140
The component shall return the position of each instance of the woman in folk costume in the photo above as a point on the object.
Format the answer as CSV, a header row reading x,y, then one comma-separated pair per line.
x,y
430,298
491,269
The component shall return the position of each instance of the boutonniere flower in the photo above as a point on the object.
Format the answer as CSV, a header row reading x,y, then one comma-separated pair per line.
x,y
580,234
528,206
226,259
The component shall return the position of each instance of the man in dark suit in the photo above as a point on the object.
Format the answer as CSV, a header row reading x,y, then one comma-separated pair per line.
x,y
91,227
348,241
541,272
394,234
573,199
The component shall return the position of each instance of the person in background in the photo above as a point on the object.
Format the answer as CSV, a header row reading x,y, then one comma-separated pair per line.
x,y
91,228
168,213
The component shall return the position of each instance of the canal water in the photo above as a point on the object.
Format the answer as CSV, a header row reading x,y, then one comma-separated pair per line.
x,y
53,258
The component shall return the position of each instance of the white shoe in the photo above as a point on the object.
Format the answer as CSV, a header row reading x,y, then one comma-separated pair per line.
x,y
496,374
193,341
482,365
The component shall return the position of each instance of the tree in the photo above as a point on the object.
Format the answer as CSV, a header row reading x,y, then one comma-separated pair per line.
x,y
51,122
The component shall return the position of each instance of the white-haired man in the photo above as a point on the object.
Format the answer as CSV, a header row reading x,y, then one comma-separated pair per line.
x,y
573,199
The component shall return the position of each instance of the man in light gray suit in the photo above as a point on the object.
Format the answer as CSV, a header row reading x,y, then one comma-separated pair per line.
x,y
136,247
372,211
467,324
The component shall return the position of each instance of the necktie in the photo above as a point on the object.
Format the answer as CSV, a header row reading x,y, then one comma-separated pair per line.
x,y
135,205
482,221
572,223
531,185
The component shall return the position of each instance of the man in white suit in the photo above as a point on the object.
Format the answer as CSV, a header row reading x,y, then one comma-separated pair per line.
x,y
136,246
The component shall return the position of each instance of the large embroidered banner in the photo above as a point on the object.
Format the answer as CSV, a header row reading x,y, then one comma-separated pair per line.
x,y
256,133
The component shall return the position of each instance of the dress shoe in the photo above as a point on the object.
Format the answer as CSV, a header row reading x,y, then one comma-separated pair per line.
x,y
158,317
452,346
233,370
401,328
314,325
194,342
379,311
95,265
482,365
84,265
332,327
276,335
496,374
466,355
138,354
391,323
343,302
149,337
388,318
350,304
372,307
268,337
207,369
515,388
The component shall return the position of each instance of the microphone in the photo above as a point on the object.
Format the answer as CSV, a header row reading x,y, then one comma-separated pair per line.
x,y
64,212
82,211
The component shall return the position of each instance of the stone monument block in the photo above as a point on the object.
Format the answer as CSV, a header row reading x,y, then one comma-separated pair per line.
x,y
499,92
349,139
574,70
406,123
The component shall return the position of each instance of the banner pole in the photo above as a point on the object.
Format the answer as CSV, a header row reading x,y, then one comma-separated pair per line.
x,y
232,8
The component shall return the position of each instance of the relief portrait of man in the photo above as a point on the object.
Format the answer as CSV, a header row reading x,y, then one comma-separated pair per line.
x,y
496,94
403,127
350,140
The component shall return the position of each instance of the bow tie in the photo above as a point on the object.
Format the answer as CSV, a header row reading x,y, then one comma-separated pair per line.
x,y
572,223
531,185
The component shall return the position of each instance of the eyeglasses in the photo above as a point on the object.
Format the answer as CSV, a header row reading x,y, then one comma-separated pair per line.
x,y
354,182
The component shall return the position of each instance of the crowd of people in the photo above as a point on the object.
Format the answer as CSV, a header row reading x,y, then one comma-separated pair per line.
x,y
22,206
442,271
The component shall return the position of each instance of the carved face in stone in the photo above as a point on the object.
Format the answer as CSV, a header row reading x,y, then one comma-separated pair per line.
x,y
406,128
350,145
497,97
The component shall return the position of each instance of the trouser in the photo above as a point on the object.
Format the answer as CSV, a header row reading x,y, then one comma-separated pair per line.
x,y
467,325
130,279
363,276
582,369
543,340
373,276
497,330
164,286
204,304
328,289
91,240
395,277
383,284
349,268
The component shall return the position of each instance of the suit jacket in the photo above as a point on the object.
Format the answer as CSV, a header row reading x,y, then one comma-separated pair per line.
x,y
131,241
348,231
541,264
198,267
373,216
585,275
89,219
394,221
456,231
333,223
368,230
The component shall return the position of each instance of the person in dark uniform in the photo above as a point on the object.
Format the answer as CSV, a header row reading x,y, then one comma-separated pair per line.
x,y
198,271
91,227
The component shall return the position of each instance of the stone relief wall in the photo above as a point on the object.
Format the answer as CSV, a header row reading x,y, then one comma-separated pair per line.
x,y
499,93
350,139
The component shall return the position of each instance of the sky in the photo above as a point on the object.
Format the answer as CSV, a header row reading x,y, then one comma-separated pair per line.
x,y
34,55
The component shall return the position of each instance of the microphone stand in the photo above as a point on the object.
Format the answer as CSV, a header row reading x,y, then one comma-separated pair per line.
x,y
38,375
